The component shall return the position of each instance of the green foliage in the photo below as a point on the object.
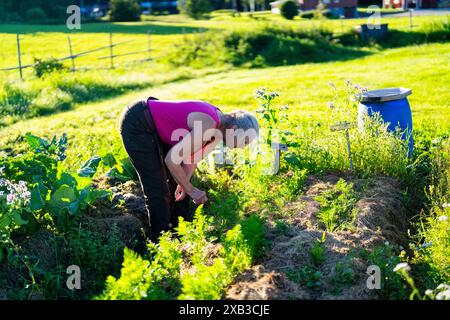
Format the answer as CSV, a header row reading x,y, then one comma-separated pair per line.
x,y
55,148
89,168
289,9
161,276
392,286
68,201
257,47
31,168
195,8
140,278
97,254
44,67
435,234
121,169
337,206
133,283
36,13
31,10
207,283
125,10
306,276
318,251
27,99
253,231
51,197
344,274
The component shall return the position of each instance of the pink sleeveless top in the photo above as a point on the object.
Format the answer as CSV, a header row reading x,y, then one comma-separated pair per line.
x,y
172,115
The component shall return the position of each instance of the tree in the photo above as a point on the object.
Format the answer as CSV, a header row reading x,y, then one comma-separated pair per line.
x,y
194,8
125,10
289,9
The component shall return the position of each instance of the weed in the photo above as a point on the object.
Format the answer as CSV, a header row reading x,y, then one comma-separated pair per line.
x,y
337,206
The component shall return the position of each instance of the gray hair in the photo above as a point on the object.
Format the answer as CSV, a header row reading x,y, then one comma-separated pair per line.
x,y
242,120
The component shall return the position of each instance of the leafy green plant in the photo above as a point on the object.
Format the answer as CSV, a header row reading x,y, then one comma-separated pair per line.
x,y
384,257
343,275
337,206
55,147
121,169
307,276
43,67
318,250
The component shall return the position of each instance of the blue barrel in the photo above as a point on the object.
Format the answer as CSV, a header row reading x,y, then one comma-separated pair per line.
x,y
393,107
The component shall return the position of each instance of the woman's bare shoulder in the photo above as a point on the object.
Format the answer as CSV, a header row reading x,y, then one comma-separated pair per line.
x,y
205,119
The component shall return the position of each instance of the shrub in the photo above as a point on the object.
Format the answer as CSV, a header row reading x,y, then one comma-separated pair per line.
x,y
125,10
258,47
289,9
34,14
47,66
195,8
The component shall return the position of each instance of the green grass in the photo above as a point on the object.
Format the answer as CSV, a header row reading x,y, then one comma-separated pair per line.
x,y
164,30
305,88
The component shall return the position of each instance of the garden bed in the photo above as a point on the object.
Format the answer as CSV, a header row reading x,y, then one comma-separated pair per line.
x,y
301,264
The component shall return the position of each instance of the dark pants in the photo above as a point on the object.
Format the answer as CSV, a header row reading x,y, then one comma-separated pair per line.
x,y
146,152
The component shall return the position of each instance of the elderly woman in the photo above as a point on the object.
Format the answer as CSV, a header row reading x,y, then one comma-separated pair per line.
x,y
166,139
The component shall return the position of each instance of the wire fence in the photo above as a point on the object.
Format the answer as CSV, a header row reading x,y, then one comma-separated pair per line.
x,y
73,56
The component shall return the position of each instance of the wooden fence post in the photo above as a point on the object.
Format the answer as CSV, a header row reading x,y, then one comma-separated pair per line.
x,y
71,54
411,19
19,56
111,51
149,49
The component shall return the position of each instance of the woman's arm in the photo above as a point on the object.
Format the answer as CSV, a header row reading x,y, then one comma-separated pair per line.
x,y
183,157
189,169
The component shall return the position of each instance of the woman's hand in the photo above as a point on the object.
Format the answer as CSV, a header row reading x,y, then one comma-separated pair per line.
x,y
180,194
199,196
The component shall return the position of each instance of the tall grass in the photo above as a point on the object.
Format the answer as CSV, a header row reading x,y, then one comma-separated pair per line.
x,y
374,150
434,233
61,91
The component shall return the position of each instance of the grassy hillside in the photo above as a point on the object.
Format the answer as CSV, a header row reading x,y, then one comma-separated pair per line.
x,y
305,89
165,31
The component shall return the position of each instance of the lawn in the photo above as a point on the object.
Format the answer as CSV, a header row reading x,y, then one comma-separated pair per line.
x,y
164,31
305,88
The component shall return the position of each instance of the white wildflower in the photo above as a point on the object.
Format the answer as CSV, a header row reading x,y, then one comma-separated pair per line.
x,y
443,295
10,198
443,286
402,267
443,218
